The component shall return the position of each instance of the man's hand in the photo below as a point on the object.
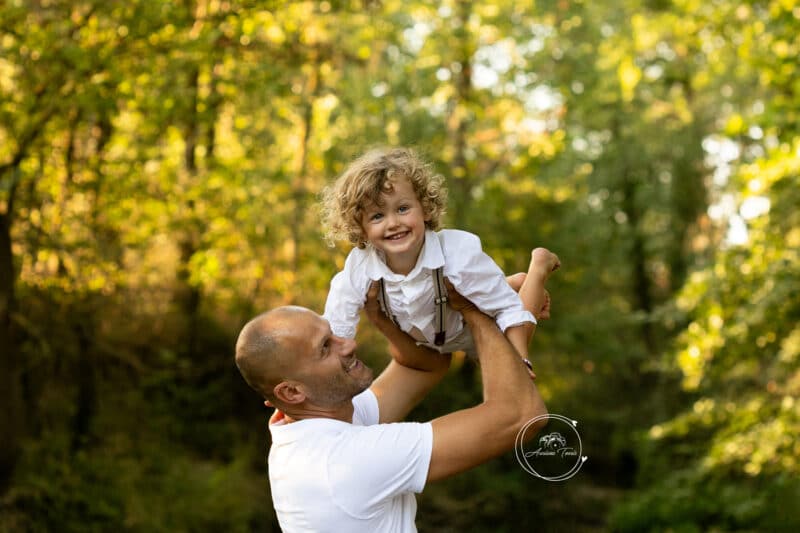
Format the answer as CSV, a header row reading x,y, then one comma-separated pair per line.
x,y
544,311
516,281
456,301
403,348
372,307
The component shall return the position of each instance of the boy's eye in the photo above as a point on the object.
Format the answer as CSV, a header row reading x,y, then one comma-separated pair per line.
x,y
403,208
375,216
326,347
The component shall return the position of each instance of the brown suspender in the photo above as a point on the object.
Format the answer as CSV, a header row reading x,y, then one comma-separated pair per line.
x,y
440,304
384,301
440,312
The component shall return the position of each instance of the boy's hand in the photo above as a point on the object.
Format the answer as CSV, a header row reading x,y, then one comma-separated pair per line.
x,y
545,262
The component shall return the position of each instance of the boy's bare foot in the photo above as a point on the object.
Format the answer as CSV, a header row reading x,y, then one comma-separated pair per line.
x,y
544,261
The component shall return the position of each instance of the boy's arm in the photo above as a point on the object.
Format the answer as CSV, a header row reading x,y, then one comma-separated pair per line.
x,y
344,303
413,371
477,277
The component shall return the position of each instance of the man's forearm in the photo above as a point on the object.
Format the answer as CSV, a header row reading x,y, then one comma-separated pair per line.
x,y
506,381
407,352
472,436
412,373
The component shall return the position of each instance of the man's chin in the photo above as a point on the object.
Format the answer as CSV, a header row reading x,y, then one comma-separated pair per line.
x,y
342,388
365,381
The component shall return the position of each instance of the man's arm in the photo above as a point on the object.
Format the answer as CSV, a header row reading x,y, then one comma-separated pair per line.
x,y
413,371
469,437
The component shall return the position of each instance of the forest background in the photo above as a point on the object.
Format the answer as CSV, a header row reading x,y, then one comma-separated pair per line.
x,y
160,164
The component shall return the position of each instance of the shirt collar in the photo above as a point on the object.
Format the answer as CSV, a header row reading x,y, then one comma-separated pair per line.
x,y
431,257
284,433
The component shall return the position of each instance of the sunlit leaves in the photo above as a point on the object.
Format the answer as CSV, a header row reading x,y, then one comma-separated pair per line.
x,y
629,77
182,145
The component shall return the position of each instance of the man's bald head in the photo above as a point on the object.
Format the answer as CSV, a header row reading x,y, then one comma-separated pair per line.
x,y
262,354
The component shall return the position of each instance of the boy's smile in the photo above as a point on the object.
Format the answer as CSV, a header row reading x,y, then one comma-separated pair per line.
x,y
396,226
398,236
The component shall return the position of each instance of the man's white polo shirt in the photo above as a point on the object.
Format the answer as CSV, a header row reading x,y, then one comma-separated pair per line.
x,y
328,475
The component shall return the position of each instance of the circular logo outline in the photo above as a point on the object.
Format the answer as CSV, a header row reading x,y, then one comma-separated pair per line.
x,y
522,459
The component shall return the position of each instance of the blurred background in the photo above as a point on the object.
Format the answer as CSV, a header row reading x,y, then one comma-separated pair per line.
x,y
160,166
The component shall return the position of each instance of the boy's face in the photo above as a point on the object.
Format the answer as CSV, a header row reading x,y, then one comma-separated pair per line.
x,y
397,225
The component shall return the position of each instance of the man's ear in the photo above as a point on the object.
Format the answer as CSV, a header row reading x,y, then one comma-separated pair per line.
x,y
289,392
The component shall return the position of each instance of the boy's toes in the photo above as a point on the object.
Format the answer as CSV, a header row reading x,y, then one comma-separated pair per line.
x,y
546,257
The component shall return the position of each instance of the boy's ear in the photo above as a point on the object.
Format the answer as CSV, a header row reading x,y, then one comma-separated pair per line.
x,y
289,392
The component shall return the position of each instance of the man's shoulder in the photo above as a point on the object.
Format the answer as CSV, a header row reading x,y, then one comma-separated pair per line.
x,y
365,409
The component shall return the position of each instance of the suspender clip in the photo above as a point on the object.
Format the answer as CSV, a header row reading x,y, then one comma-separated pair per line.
x,y
439,339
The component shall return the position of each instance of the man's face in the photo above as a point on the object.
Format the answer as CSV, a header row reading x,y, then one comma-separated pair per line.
x,y
326,364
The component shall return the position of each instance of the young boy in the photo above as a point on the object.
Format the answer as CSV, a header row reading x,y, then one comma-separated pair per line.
x,y
388,204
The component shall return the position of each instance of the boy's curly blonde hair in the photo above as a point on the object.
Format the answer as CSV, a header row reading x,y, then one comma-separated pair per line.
x,y
363,182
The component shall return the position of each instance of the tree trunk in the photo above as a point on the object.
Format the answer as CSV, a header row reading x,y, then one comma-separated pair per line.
x,y
457,122
688,197
11,405
188,295
10,393
85,317
86,400
642,298
11,415
299,189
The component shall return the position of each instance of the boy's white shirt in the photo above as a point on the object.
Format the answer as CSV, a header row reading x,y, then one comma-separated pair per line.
x,y
472,272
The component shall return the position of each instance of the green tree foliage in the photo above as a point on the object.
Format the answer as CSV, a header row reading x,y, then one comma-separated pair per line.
x,y
730,459
160,164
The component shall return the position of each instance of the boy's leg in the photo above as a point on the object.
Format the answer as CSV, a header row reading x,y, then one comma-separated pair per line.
x,y
532,292
533,295
516,280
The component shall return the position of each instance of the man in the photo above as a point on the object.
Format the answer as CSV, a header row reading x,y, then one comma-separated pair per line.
x,y
340,461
